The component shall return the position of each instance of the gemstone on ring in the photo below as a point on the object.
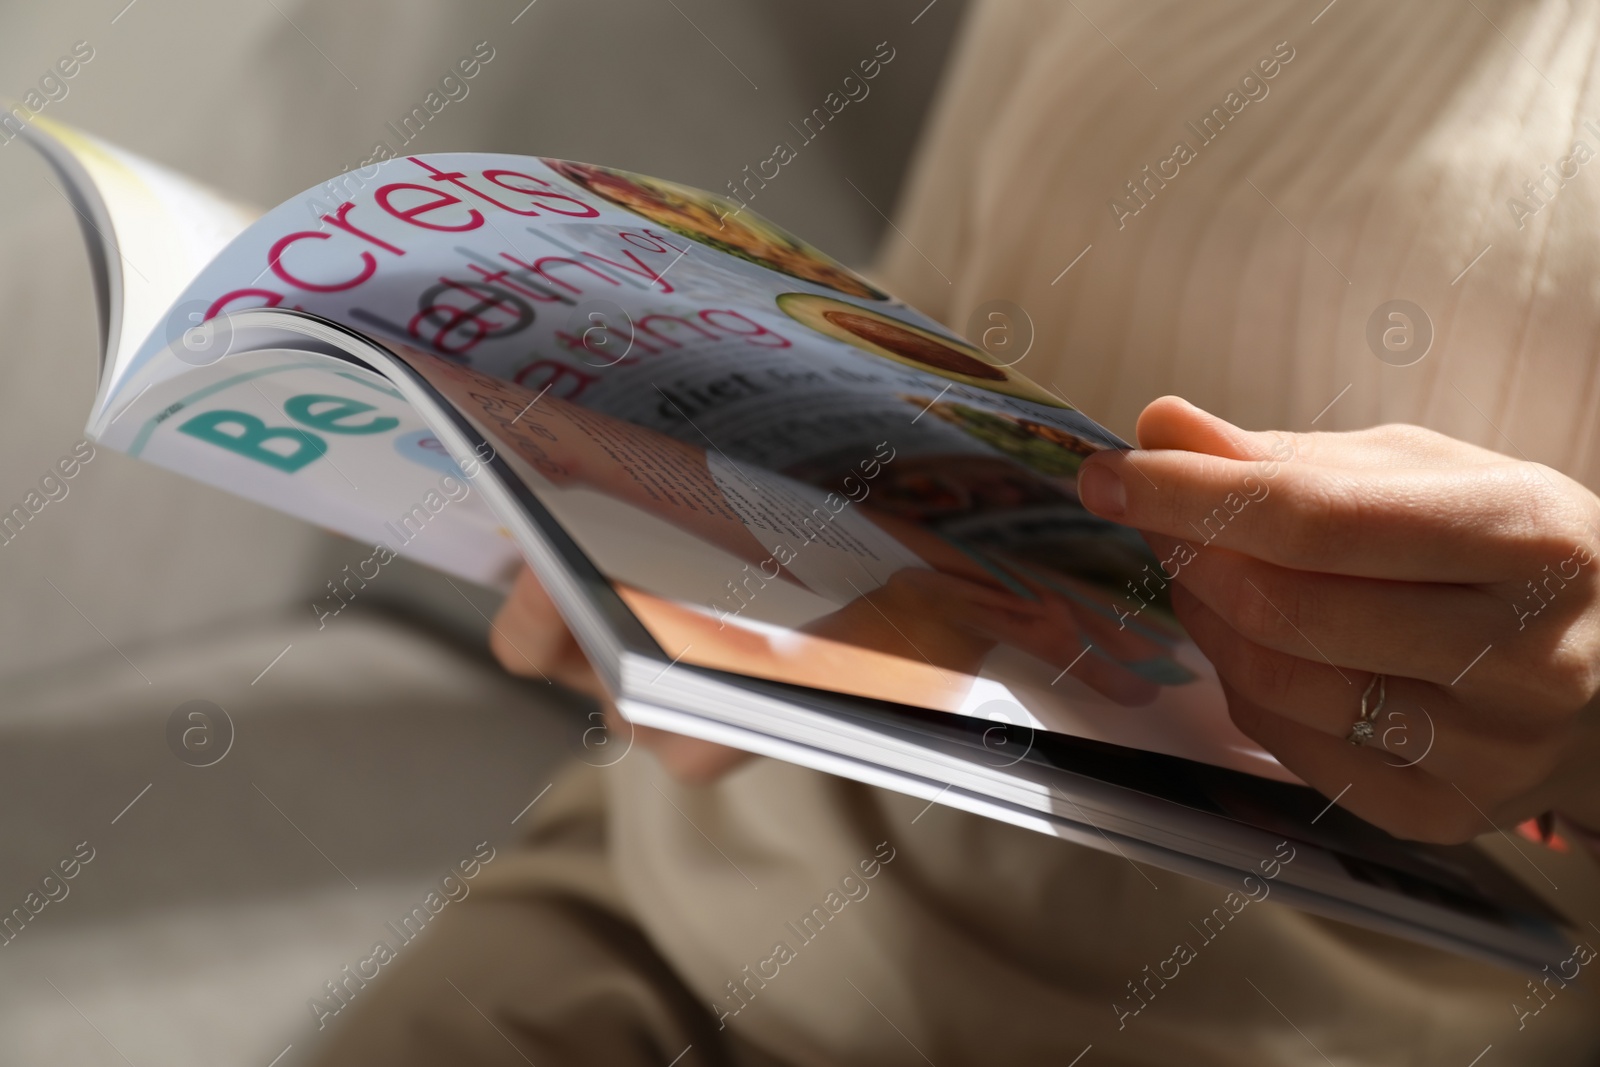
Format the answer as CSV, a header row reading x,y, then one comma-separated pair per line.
x,y
1363,730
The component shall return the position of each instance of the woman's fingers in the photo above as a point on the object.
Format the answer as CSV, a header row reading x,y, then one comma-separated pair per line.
x,y
530,639
1408,802
688,759
1393,502
1478,524
1312,692
1416,725
1306,565
1172,422
1423,630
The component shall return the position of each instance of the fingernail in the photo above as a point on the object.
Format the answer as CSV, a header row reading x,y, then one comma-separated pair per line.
x,y
1102,491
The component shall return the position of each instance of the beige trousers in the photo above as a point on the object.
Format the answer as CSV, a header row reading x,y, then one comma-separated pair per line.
x,y
782,916
540,964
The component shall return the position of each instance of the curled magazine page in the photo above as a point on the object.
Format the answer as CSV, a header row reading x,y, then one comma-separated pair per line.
x,y
792,474
737,568
153,231
331,442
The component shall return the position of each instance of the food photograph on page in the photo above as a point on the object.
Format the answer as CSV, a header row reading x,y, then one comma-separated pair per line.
x,y
507,559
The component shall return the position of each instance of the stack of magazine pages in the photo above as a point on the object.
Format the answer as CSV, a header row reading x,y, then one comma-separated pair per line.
x,y
779,509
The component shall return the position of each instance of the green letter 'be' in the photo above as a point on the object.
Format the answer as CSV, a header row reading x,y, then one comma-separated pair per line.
x,y
250,437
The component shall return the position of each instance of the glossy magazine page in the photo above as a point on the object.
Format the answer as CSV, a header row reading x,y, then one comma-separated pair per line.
x,y
788,473
839,518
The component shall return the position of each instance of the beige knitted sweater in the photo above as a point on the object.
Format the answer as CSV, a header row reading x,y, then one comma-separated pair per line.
x,y
1212,199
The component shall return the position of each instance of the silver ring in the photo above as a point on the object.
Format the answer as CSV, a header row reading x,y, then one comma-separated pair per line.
x,y
1364,729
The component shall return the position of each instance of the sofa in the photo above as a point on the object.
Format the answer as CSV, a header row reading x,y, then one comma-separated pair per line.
x,y
342,767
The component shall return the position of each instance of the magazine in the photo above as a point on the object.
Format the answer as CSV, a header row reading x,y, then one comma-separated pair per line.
x,y
779,509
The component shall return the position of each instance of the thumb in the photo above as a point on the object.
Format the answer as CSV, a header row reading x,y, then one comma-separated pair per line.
x,y
1169,423
1172,422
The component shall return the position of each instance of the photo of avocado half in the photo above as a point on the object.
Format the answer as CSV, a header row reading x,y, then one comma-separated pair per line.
x,y
878,334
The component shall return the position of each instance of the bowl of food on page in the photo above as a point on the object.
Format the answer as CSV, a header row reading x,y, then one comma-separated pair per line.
x,y
906,343
716,221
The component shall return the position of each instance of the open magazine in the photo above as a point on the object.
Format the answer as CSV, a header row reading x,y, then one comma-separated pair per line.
x,y
779,509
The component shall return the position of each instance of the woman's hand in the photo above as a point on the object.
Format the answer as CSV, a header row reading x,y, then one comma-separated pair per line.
x,y
1305,564
529,639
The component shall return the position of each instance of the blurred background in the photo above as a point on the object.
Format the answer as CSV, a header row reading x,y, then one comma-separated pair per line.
x,y
367,757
